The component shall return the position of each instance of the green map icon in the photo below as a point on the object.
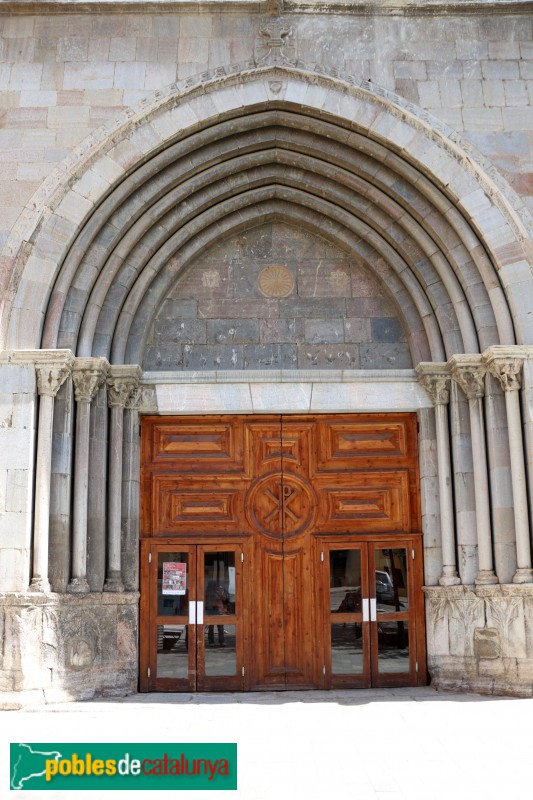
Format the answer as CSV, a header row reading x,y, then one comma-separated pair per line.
x,y
28,763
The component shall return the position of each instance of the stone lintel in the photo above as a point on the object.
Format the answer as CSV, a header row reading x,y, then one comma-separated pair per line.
x,y
52,358
495,590
31,599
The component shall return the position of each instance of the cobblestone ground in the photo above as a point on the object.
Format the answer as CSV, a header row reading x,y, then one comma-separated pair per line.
x,y
404,744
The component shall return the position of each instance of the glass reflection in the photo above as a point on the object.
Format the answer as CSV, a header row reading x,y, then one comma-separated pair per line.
x,y
172,655
391,579
393,646
172,584
219,583
346,648
221,655
345,581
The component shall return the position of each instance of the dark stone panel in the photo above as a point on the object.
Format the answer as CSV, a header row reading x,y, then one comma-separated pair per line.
x,y
357,330
324,331
328,356
385,356
270,356
324,278
204,281
185,331
312,309
179,309
233,309
386,329
281,330
369,307
212,357
163,358
233,331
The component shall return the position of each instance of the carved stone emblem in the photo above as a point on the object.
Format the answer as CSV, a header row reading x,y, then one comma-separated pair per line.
x,y
280,505
274,46
275,281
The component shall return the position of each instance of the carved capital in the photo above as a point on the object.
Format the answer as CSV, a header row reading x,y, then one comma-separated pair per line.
x,y
121,382
469,372
88,374
508,371
435,378
50,378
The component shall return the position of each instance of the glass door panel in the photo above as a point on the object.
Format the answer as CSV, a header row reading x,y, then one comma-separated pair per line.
x,y
220,657
347,662
393,662
372,634
173,636
194,619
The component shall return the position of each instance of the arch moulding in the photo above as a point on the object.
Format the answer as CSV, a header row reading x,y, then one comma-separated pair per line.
x,y
471,186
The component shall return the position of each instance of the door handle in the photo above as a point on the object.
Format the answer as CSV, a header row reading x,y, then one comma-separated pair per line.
x,y
196,612
373,610
366,615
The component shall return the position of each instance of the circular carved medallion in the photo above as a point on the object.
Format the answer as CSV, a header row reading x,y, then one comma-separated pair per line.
x,y
280,505
275,281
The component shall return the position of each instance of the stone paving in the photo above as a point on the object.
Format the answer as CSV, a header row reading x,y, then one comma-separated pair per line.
x,y
395,744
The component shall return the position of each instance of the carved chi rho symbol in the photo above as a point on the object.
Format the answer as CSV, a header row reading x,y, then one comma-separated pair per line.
x,y
281,499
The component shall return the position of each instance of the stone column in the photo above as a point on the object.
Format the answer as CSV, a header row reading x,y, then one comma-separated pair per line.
x,y
88,374
121,382
50,377
507,369
469,372
131,471
435,378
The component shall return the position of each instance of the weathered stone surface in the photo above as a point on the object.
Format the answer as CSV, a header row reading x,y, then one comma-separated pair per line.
x,y
326,314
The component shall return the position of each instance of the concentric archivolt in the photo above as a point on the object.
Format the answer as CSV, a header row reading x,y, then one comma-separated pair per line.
x,y
337,175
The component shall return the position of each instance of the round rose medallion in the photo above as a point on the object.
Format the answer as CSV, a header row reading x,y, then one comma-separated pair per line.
x,y
275,281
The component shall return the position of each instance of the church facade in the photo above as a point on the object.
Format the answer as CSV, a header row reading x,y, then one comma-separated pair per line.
x,y
266,366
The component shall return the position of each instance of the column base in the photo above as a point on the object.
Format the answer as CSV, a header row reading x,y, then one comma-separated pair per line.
x,y
523,575
41,585
449,580
113,583
78,586
449,577
486,577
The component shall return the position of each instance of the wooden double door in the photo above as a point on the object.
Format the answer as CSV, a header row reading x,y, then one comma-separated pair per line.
x,y
280,552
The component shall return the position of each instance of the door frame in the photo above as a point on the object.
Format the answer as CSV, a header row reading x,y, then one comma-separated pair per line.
x,y
371,678
148,680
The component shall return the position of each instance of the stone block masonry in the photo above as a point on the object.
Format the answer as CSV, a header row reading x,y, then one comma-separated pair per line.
x,y
219,315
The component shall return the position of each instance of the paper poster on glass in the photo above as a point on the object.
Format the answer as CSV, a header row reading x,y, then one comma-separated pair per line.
x,y
174,577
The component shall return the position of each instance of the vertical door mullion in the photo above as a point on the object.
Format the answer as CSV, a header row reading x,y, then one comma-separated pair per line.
x,y
370,629
199,626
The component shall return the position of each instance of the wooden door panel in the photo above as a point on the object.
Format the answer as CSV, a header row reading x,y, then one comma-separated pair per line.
x,y
208,445
298,618
376,502
347,444
279,481
268,620
196,508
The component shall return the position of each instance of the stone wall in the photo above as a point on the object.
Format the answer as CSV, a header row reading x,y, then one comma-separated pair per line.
x,y
63,647
276,298
64,75
17,446
481,638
